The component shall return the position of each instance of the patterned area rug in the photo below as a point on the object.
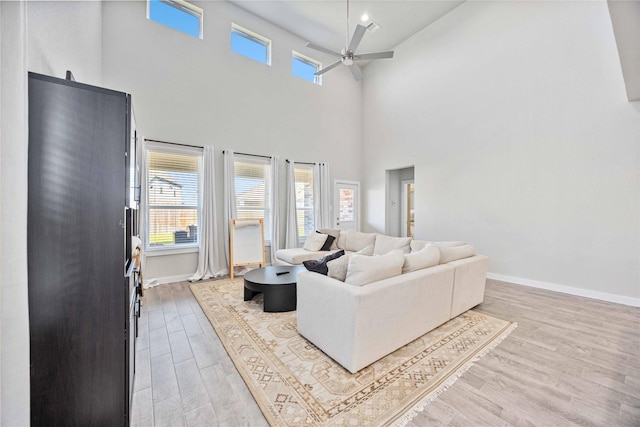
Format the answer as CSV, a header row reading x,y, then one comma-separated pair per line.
x,y
296,384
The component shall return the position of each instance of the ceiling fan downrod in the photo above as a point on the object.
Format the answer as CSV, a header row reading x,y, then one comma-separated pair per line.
x,y
346,44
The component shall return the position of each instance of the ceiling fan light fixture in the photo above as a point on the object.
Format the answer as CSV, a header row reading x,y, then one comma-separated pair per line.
x,y
373,27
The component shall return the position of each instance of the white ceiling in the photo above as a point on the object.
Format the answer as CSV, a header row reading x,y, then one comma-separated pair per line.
x,y
323,22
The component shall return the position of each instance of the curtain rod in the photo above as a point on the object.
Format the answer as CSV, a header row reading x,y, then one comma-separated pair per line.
x,y
173,143
305,163
247,154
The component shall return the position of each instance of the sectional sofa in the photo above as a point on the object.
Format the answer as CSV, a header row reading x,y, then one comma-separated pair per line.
x,y
395,290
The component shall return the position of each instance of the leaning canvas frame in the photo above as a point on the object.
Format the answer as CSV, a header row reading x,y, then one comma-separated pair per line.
x,y
246,243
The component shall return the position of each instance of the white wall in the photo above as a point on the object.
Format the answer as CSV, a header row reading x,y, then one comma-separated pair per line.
x,y
14,331
200,92
524,144
47,38
66,35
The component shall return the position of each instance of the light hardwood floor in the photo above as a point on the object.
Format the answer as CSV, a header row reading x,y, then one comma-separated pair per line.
x,y
571,361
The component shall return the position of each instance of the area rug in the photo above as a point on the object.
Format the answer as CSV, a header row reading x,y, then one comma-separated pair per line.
x,y
296,384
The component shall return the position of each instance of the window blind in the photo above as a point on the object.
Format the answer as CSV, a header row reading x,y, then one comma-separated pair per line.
x,y
253,190
303,176
173,194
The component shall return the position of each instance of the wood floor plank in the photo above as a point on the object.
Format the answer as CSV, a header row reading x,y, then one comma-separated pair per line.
x,y
173,322
142,408
159,342
142,378
201,417
163,379
156,319
225,403
203,350
168,413
630,415
180,347
192,390
571,361
191,324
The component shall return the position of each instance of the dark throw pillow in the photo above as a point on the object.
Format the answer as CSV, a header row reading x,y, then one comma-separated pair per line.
x,y
327,243
320,265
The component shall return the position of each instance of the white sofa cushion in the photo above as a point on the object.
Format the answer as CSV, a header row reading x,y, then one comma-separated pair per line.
x,y
416,245
424,258
364,269
338,267
341,241
332,232
356,240
448,254
315,241
385,244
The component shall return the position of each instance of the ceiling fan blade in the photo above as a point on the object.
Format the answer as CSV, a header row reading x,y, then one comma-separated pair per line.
x,y
355,70
327,68
357,37
322,49
376,55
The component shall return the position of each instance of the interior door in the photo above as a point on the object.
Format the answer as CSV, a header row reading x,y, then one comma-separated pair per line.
x,y
346,205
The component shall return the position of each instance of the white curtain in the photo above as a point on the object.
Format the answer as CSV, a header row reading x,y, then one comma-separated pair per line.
x,y
230,210
322,196
291,232
141,155
275,208
210,263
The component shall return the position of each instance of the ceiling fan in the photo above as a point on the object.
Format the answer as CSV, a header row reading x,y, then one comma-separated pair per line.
x,y
348,56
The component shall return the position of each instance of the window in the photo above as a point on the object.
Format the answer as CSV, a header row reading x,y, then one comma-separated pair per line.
x,y
177,14
250,44
173,196
303,176
253,189
305,67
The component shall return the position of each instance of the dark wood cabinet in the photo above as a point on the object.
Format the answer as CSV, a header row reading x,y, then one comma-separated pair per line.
x,y
82,332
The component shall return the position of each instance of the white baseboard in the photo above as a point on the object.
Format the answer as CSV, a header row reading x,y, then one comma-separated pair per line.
x,y
150,283
155,281
603,296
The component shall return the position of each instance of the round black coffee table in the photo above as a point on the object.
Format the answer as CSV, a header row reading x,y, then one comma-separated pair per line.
x,y
277,283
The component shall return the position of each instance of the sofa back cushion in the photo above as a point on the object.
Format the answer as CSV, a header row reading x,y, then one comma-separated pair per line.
x,y
453,253
416,245
385,244
355,240
337,268
426,257
342,240
315,241
367,269
332,232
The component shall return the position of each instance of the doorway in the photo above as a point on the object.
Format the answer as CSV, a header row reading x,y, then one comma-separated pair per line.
x,y
400,201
